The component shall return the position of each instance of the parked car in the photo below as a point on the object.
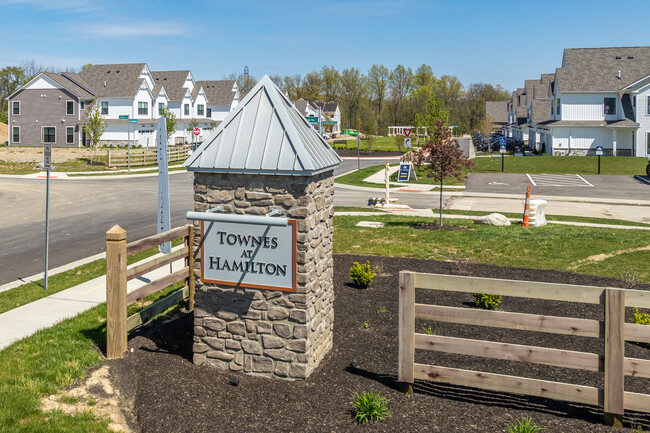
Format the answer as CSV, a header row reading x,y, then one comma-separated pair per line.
x,y
511,144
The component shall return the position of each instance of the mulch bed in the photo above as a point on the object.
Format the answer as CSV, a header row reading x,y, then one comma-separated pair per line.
x,y
170,394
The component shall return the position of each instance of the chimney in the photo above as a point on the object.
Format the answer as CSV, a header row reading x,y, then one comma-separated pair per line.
x,y
618,75
105,81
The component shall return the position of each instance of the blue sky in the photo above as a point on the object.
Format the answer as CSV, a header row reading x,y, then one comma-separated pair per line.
x,y
498,42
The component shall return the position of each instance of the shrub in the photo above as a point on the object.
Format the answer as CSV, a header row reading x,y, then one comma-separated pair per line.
x,y
640,318
369,406
524,427
362,275
488,302
428,330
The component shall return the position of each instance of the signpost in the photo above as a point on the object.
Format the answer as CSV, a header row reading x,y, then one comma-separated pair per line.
x,y
329,122
407,132
407,142
196,132
599,152
128,144
502,149
404,172
312,120
164,217
358,153
258,256
47,164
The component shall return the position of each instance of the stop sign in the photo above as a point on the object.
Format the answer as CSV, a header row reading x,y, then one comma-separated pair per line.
x,y
197,131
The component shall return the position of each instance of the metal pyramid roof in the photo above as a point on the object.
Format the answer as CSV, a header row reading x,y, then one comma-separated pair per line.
x,y
264,134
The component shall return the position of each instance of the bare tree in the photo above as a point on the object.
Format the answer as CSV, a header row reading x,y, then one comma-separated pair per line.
x,y
94,126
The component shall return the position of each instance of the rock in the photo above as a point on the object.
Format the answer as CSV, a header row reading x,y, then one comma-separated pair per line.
x,y
494,219
252,347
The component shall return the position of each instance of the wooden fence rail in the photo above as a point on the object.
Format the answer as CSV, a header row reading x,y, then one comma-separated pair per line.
x,y
143,157
117,275
612,397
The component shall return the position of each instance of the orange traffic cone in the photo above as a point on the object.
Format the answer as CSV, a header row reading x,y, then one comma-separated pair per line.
x,y
526,207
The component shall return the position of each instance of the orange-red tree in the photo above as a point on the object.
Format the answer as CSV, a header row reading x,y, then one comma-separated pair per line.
x,y
441,155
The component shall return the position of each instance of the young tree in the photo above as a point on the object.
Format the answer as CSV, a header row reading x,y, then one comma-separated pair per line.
x,y
443,155
378,76
94,126
170,121
331,83
353,89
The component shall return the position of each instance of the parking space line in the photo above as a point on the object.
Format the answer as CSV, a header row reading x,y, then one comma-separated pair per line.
x,y
531,179
584,180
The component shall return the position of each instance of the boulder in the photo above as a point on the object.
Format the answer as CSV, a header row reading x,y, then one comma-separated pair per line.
x,y
494,219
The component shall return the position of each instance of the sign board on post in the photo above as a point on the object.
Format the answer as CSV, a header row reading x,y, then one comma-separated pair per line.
x,y
47,156
197,131
330,122
312,120
249,255
164,215
502,149
123,116
407,132
407,142
135,121
599,150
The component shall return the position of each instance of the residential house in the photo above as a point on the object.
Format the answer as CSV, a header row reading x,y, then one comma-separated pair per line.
x,y
332,113
498,112
222,95
51,108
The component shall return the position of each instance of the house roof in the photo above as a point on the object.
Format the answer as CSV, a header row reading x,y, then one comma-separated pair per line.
x,y
117,80
218,92
328,107
597,69
497,110
625,123
264,134
173,82
541,110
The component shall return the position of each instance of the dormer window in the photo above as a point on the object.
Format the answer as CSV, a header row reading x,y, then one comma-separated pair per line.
x,y
187,109
557,108
610,106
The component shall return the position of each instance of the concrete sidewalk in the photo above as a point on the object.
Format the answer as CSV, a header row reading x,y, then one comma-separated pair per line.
x,y
24,321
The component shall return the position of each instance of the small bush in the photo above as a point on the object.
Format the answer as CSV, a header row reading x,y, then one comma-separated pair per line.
x,y
488,302
366,325
428,330
362,275
640,318
369,406
524,427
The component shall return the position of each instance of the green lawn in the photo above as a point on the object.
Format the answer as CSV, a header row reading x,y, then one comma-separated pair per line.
x,y
376,144
548,247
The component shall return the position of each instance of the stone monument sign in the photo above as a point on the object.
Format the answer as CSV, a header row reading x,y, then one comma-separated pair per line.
x,y
264,293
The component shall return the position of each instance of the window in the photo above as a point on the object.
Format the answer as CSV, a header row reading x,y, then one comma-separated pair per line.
x,y
647,144
82,104
187,109
209,112
16,106
16,134
143,108
557,109
69,134
200,110
634,101
610,106
648,105
69,107
49,134
161,106
551,109
105,107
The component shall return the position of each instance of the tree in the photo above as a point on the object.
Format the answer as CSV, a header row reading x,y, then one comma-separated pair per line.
x,y
378,76
311,86
170,121
86,66
331,83
353,88
31,68
94,126
423,76
11,78
443,155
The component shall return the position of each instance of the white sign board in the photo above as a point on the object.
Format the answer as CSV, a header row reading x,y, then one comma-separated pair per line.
x,y
47,156
164,217
599,151
249,255
407,142
502,149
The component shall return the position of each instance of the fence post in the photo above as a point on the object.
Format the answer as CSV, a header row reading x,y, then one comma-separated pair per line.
x,y
406,331
189,262
115,292
614,356
108,158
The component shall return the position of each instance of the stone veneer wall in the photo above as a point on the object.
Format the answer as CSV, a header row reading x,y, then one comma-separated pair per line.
x,y
268,332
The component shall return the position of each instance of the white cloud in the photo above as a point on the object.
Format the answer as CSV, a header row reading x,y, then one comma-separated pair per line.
x,y
118,31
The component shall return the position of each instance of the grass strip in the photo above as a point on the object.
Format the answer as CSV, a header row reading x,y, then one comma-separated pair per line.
x,y
104,173
31,292
556,247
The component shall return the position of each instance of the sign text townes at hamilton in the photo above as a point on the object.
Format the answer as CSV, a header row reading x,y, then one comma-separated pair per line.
x,y
249,255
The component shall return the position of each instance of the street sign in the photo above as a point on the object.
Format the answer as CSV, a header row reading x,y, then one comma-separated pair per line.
x,y
502,149
197,131
330,122
312,120
358,138
599,150
407,131
47,156
133,120
502,141
407,142
124,116
404,172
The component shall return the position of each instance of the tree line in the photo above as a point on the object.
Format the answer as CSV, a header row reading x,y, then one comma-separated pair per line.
x,y
383,97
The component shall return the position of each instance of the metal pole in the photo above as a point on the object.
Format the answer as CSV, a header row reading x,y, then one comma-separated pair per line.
x,y
358,158
47,223
598,164
128,145
502,162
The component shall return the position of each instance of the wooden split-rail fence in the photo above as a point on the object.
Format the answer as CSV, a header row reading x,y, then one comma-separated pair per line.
x,y
613,362
144,157
117,275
